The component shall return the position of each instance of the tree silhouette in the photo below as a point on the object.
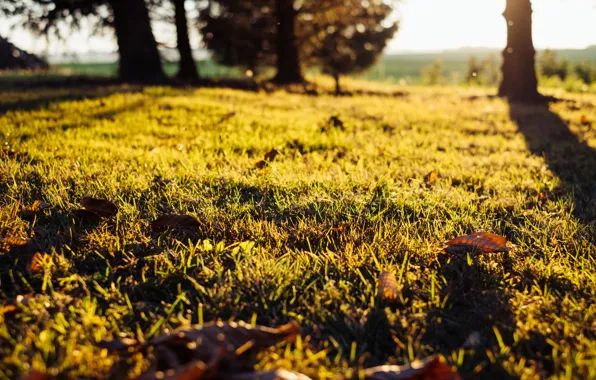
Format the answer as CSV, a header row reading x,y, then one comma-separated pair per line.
x,y
519,83
288,59
188,68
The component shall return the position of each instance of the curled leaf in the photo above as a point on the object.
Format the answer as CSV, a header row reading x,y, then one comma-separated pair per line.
x,y
174,222
36,263
270,156
483,242
388,287
101,207
429,368
431,177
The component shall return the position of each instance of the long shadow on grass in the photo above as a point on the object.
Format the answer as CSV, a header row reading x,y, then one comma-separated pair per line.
x,y
471,312
570,159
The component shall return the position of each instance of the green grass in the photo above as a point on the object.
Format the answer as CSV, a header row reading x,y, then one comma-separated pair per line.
x,y
267,250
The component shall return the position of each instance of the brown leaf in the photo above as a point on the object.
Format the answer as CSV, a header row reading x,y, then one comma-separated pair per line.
x,y
35,264
13,241
87,217
175,222
430,368
101,207
238,338
431,177
261,164
30,211
270,156
388,287
340,229
477,242
9,309
117,345
35,375
280,374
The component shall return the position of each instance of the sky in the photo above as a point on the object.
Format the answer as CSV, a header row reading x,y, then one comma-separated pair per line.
x,y
425,25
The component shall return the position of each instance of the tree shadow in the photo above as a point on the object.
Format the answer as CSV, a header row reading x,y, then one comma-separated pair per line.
x,y
472,312
569,158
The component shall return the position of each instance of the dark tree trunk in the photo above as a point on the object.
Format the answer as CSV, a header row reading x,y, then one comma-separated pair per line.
x,y
288,63
139,57
188,68
519,82
337,87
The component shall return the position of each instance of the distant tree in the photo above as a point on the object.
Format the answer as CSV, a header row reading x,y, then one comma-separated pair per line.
x,y
519,82
288,58
551,66
474,70
239,33
139,57
355,35
585,72
432,74
187,67
490,70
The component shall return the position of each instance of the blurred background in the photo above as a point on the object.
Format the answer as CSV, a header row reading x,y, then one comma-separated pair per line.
x,y
428,42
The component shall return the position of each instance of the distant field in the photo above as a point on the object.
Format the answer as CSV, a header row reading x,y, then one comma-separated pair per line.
x,y
303,237
391,68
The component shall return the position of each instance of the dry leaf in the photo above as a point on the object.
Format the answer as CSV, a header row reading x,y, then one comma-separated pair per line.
x,y
101,207
340,229
87,217
117,345
35,264
388,286
261,164
431,177
175,222
430,368
280,374
234,335
270,156
477,242
9,309
30,211
584,120
14,241
182,354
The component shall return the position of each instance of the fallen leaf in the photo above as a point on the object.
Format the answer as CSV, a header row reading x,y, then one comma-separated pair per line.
x,y
14,241
430,368
101,207
30,211
388,287
117,344
87,217
174,222
279,374
204,351
340,229
35,375
270,156
35,264
477,242
9,309
431,177
584,120
261,164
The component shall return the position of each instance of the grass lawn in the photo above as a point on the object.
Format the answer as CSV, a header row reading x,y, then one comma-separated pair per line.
x,y
305,237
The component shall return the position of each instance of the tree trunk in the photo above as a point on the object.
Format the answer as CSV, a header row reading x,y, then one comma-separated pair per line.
x,y
187,67
288,63
139,57
519,82
337,87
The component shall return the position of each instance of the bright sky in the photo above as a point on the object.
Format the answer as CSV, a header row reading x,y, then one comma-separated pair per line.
x,y
425,25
